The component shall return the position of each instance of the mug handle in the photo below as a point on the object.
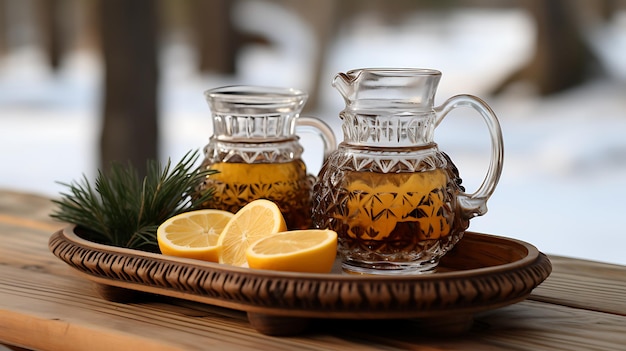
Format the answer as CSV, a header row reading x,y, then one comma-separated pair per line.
x,y
475,204
322,129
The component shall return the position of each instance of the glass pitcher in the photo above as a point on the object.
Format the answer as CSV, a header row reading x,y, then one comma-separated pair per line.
x,y
392,196
256,151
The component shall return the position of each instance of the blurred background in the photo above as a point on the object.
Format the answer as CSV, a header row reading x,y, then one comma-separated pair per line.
x,y
84,82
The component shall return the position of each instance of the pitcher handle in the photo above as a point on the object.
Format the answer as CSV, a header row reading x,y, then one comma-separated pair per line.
x,y
323,130
475,204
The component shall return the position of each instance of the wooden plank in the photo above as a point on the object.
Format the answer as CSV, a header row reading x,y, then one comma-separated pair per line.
x,y
61,311
584,284
535,325
529,325
26,206
45,305
64,312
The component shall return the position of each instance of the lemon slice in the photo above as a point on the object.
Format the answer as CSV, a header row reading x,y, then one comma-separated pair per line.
x,y
193,234
256,220
311,250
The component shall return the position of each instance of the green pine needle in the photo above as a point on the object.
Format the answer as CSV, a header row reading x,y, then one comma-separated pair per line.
x,y
122,210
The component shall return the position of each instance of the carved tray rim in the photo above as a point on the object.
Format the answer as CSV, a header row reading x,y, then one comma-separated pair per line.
x,y
285,294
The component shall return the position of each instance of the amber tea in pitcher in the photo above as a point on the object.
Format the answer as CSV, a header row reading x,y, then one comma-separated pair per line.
x,y
256,152
394,199
393,216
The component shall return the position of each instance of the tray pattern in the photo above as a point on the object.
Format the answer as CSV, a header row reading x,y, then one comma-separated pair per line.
x,y
483,272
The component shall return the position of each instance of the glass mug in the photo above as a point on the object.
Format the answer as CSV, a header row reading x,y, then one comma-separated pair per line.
x,y
256,150
394,199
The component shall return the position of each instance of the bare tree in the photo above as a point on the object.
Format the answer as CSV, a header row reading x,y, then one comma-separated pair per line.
x,y
129,44
49,15
562,58
216,39
4,45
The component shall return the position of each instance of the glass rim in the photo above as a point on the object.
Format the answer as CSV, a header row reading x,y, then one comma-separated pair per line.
x,y
255,92
396,71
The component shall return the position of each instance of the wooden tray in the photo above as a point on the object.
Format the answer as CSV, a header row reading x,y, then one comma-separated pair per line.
x,y
482,272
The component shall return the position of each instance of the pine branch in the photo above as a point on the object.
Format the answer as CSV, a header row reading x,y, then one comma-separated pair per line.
x,y
122,210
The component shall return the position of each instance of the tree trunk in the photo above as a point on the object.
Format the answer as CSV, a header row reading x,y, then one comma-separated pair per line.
x,y
216,39
4,45
49,17
562,58
129,44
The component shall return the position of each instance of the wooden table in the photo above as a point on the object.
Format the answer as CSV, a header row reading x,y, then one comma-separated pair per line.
x,y
45,305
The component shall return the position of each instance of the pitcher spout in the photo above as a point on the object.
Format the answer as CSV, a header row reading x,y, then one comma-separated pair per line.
x,y
344,83
413,87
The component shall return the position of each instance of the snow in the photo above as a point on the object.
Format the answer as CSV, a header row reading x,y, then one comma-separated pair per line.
x,y
565,156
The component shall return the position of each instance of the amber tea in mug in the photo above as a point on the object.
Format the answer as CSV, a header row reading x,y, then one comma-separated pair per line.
x,y
286,184
255,149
